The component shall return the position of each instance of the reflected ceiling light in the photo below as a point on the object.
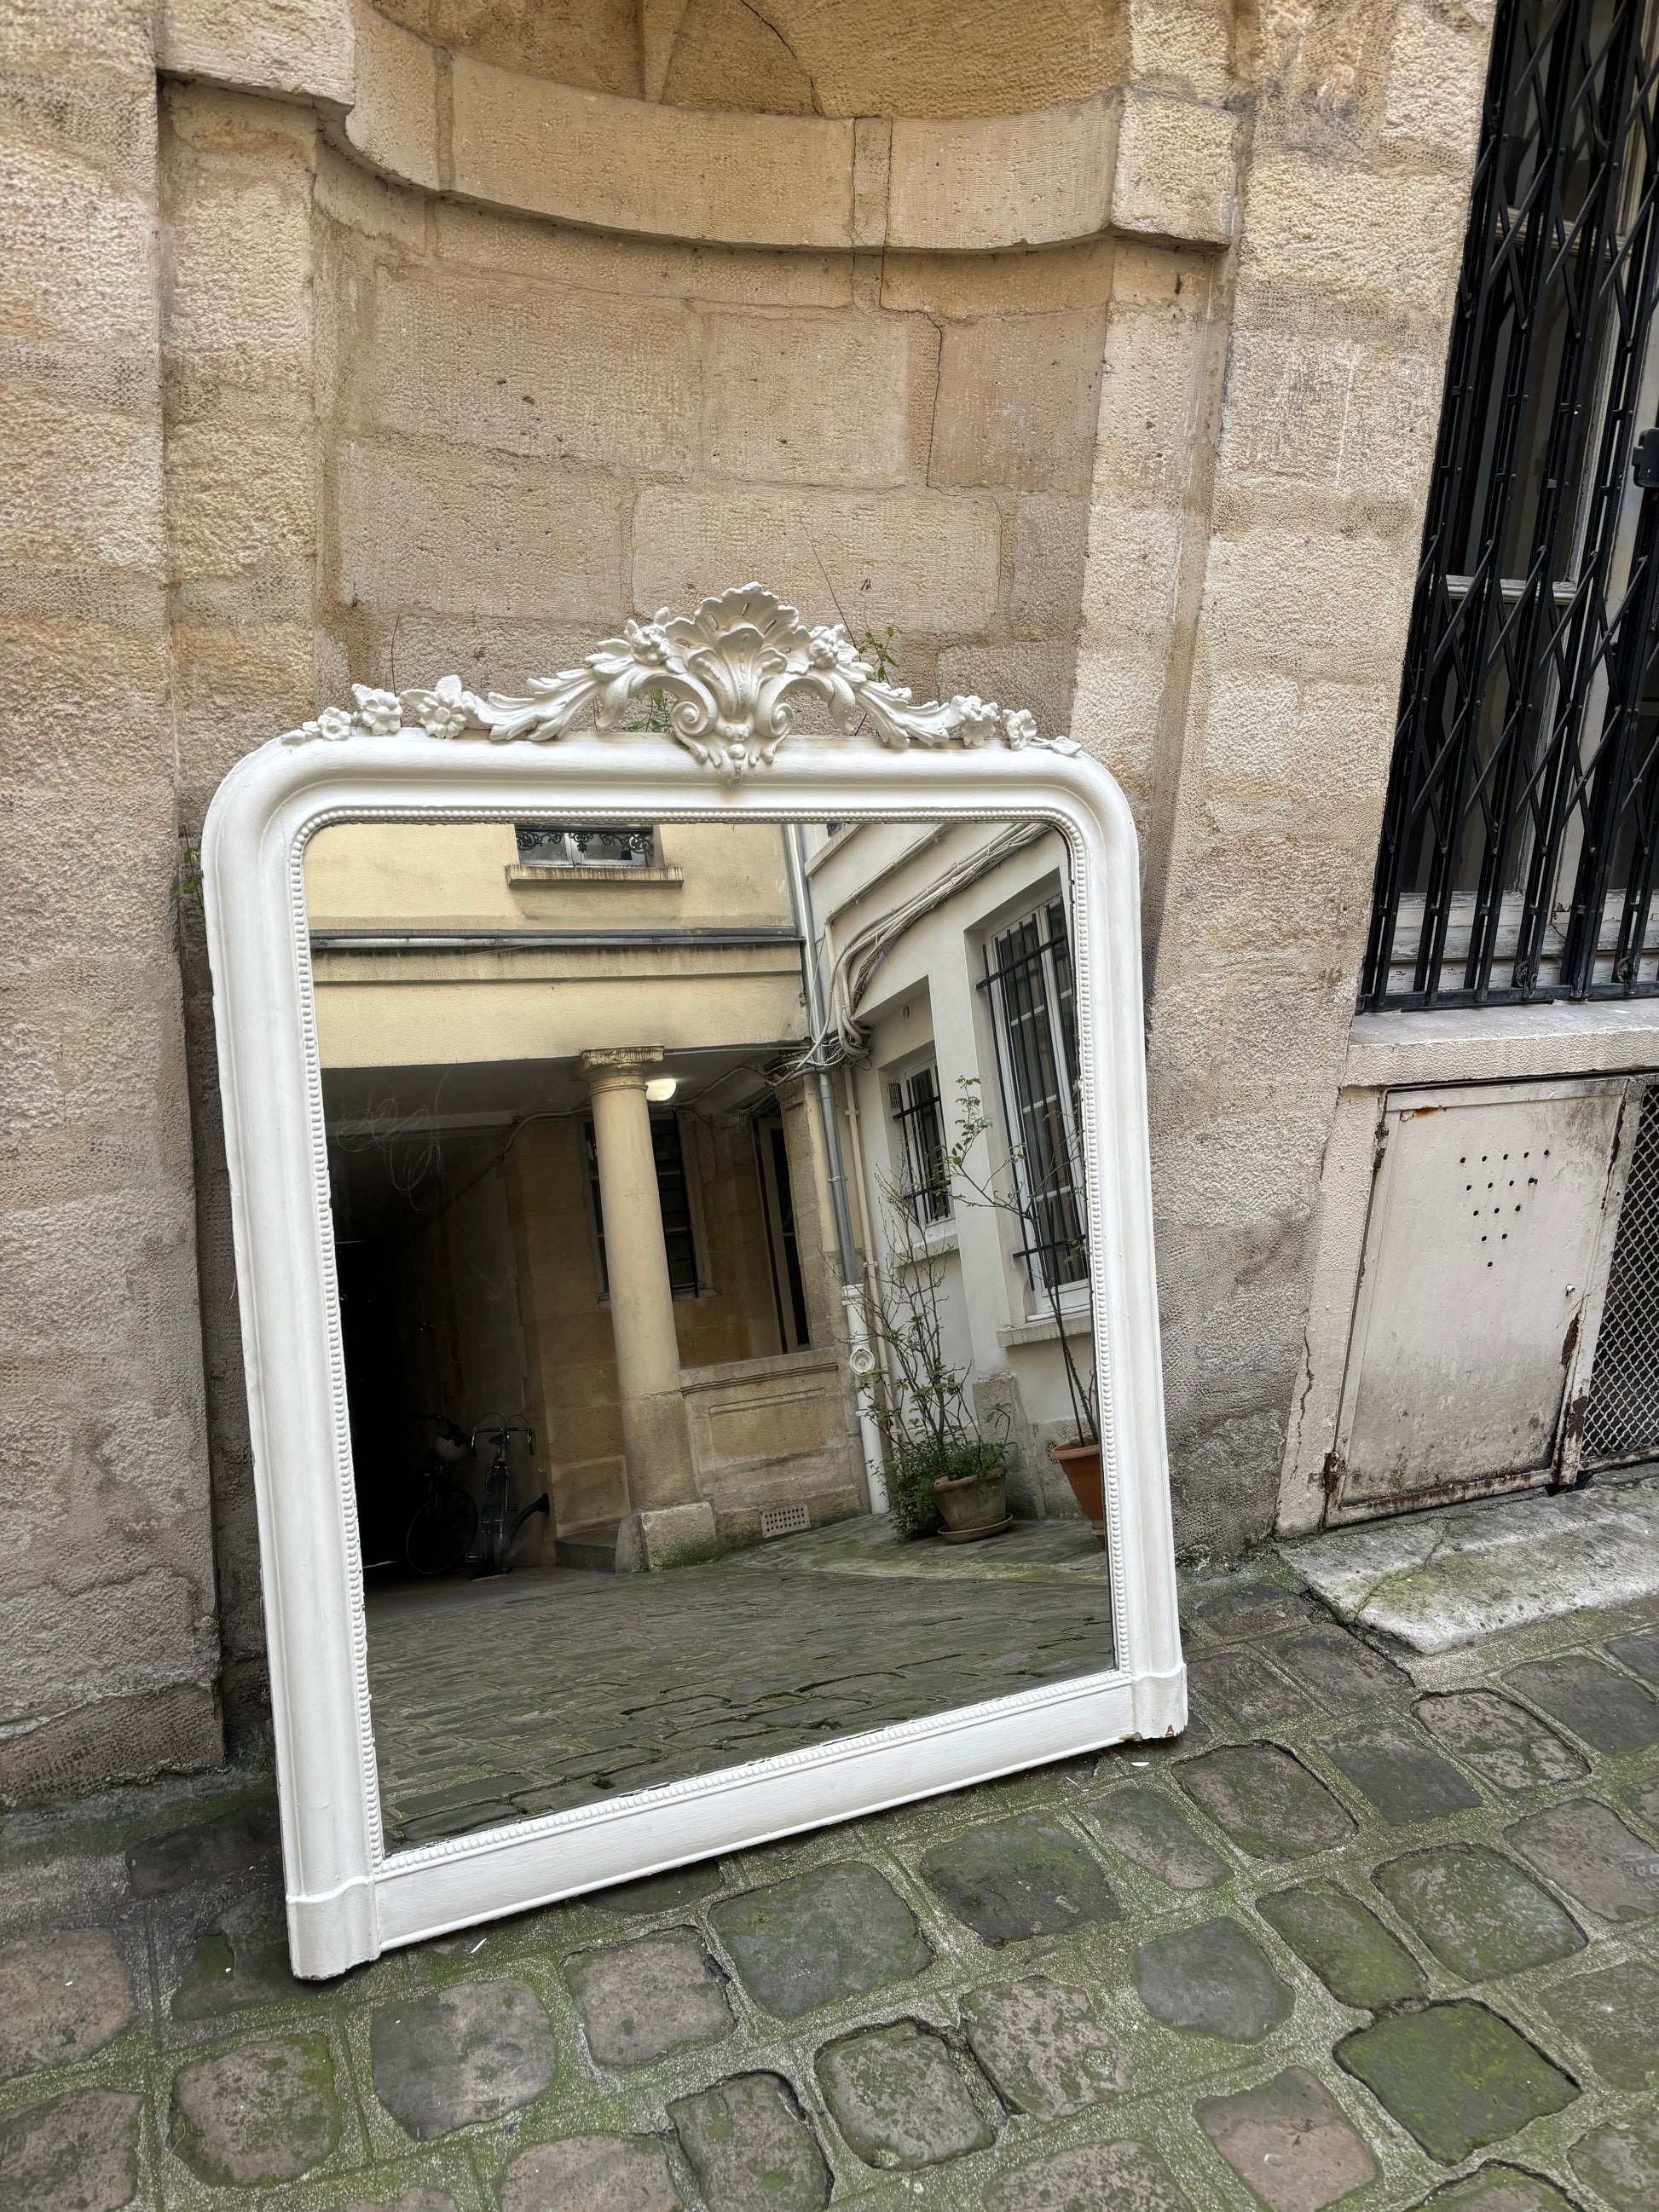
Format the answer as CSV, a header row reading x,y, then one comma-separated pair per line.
x,y
661,1089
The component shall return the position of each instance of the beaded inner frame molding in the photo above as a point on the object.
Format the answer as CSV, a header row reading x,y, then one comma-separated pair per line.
x,y
691,719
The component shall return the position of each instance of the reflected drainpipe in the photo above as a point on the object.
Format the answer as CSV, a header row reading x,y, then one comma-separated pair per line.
x,y
861,1358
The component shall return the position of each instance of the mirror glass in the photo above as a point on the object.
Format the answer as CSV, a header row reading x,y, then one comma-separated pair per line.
x,y
714,1286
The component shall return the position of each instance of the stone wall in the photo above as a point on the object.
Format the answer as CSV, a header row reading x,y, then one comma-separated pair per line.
x,y
350,353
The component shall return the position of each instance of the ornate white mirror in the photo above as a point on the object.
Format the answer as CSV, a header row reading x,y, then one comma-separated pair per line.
x,y
694,1238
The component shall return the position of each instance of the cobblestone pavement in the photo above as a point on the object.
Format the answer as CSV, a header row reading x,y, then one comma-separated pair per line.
x,y
1363,1936
496,1700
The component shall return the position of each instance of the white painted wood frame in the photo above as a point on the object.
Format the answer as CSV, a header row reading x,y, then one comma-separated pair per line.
x,y
445,755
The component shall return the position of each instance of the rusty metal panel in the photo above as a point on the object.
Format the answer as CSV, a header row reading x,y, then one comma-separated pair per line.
x,y
1485,1242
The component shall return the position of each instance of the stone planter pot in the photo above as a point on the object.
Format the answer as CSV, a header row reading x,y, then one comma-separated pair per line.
x,y
973,1507
1080,1465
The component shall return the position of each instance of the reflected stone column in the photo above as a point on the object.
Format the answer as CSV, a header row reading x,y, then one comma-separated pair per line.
x,y
667,1523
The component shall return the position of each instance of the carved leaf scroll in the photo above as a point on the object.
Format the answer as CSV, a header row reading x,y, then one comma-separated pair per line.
x,y
728,677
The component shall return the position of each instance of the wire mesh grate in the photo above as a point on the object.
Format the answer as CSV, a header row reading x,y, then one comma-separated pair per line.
x,y
1621,1421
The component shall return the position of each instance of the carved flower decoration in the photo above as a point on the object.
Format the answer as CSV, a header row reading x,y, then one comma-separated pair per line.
x,y
979,717
828,646
1019,727
444,711
335,724
649,641
379,712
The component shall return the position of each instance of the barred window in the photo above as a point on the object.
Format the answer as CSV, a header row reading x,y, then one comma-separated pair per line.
x,y
1028,975
918,1114
555,845
1521,821
673,1195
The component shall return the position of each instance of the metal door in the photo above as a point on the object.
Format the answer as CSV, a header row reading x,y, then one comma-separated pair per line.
x,y
1486,1254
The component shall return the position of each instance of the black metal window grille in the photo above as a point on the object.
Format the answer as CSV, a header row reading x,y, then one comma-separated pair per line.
x,y
674,1196
1027,976
918,1113
557,845
1521,821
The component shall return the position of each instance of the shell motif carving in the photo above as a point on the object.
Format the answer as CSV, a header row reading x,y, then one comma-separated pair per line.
x,y
728,677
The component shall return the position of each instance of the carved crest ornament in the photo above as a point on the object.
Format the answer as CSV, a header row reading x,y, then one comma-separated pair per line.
x,y
727,678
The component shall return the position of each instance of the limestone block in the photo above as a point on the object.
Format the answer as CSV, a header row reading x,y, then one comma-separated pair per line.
x,y
1434,76
1023,281
1153,383
560,374
173,1731
1322,602
743,179
239,301
289,46
1003,180
842,399
1051,536
84,485
1116,701
1322,743
655,268
1360,235
394,120
239,494
368,205
1018,399
537,539
1330,412
666,1536
920,561
1134,567
1176,168
63,1650
1185,45
79,251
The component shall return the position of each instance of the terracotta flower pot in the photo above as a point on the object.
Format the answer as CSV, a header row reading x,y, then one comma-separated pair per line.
x,y
974,1506
1080,1465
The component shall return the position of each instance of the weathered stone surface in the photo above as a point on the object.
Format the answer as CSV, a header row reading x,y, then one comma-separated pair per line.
x,y
1477,1911
1289,2141
591,2173
900,2098
62,1997
1621,2162
1123,2177
1404,1778
1337,1667
1500,2188
662,1892
1023,1877
241,1964
1613,2017
266,2111
750,2148
1606,1709
1585,1849
1639,1653
833,1933
77,2153
642,2001
1456,2077
1042,2047
1149,1830
1356,1957
206,1850
1245,1688
1213,1979
411,2200
474,2052
1504,1742
1644,1801
1266,1801
1236,1611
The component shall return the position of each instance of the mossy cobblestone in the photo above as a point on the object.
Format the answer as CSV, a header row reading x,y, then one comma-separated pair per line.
x,y
1014,1999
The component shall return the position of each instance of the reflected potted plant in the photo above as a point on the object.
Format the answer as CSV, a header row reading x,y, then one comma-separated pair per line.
x,y
945,1476
1038,1203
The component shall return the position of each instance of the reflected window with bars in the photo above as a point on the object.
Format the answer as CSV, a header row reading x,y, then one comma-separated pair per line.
x,y
1522,822
918,1114
606,845
674,1197
1028,981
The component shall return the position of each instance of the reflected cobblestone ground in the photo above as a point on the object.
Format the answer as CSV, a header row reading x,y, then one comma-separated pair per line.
x,y
499,1700
1364,1936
